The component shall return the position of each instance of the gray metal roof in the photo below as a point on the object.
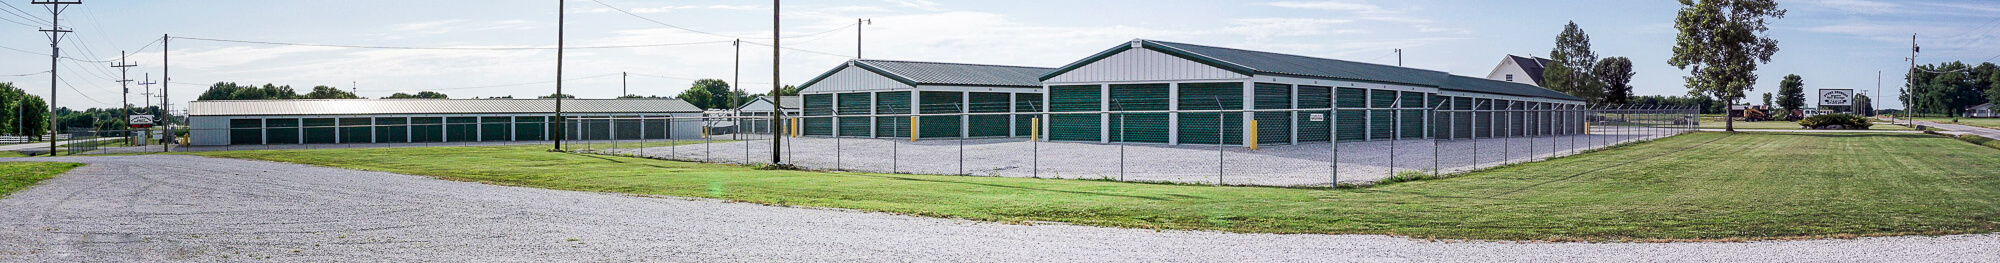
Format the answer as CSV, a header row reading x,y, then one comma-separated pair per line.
x,y
1249,62
433,106
1482,85
1534,67
946,74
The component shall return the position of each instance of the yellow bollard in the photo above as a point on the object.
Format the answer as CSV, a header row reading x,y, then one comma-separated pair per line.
x,y
704,132
795,128
913,128
1586,128
1034,129
1253,135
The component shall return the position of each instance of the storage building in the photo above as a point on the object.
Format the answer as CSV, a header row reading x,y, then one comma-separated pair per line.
x,y
877,98
761,108
250,122
1150,91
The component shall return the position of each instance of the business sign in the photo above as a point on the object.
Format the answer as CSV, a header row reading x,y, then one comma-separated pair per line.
x,y
140,121
1836,97
1318,117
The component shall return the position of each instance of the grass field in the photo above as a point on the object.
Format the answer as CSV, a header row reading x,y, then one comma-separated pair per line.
x,y
17,176
1785,125
1703,186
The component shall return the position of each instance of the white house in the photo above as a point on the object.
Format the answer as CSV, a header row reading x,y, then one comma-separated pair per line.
x,y
1517,69
1982,111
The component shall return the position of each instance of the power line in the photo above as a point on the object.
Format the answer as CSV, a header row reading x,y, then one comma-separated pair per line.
x,y
24,14
681,78
17,22
78,91
441,48
799,50
29,74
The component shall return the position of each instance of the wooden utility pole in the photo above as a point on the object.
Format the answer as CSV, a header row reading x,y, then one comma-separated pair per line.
x,y
55,32
124,107
561,8
777,90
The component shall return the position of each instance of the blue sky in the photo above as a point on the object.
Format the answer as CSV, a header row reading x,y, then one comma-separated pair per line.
x,y
1831,43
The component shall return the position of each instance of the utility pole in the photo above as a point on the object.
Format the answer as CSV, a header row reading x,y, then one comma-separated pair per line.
x,y
777,90
858,24
166,81
147,94
1874,103
55,32
1912,76
1399,57
624,84
124,107
561,8
737,82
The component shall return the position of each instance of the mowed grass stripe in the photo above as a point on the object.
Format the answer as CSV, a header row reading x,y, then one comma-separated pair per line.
x,y
1703,186
18,176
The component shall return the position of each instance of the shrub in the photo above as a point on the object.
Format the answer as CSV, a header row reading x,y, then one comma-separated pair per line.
x,y
1846,121
1982,141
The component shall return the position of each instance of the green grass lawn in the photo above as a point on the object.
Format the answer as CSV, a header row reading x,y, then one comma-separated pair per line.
x,y
1703,186
17,176
1785,125
1979,122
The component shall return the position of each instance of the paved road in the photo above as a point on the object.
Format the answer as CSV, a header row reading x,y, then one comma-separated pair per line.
x,y
181,208
1974,130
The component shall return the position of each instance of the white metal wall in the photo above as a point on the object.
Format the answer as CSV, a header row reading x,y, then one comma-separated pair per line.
x,y
854,79
1143,64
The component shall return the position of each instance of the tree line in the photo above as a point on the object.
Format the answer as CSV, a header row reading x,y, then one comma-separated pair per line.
x,y
22,114
1948,88
704,93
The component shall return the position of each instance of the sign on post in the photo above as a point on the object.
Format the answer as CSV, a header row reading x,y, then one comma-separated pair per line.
x,y
140,121
1836,97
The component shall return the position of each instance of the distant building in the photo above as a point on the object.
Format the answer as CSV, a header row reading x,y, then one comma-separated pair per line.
x,y
256,122
1517,69
761,108
876,98
1982,111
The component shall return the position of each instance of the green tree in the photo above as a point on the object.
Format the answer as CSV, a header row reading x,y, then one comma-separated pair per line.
x,y
554,95
232,91
1867,105
1792,93
1616,75
1572,71
1767,99
329,93
1724,41
697,96
419,95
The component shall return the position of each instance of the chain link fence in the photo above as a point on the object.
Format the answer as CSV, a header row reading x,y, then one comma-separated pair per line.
x,y
1286,147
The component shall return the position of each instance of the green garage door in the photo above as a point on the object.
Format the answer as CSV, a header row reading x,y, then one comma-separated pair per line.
x,y
818,106
1461,122
246,131
657,127
1413,120
530,128
1483,120
1026,103
1382,123
892,103
628,129
462,129
282,131
1352,122
940,102
392,130
1273,127
989,125
1315,129
854,104
495,129
1075,127
1139,127
1516,120
429,129
321,130
356,130
1202,128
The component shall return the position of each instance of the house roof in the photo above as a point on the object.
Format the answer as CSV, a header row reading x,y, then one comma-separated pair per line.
x,y
1249,62
1534,66
791,102
432,106
917,73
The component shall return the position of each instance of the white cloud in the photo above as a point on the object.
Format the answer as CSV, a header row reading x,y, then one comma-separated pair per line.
x,y
1264,28
1343,6
1857,6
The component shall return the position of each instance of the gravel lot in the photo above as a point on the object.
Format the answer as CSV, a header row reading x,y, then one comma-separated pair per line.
x,y
1275,165
182,208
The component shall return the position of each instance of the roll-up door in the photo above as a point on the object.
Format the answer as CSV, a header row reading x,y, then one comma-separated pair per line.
x,y
1075,127
1273,127
984,125
1202,128
892,103
1139,127
940,102
1315,126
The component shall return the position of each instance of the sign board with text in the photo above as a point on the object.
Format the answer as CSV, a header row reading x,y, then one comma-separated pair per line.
x,y
1836,97
140,121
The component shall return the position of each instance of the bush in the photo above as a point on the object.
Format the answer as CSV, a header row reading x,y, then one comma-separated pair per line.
x,y
1982,141
1844,121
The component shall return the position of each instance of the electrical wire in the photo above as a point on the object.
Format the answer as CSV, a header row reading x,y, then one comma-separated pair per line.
x,y
681,78
79,92
24,14
18,22
799,50
29,74
442,48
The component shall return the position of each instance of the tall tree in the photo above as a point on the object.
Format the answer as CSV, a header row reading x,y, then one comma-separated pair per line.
x,y
1767,99
1572,72
419,95
329,93
1792,93
1866,104
1724,41
1616,75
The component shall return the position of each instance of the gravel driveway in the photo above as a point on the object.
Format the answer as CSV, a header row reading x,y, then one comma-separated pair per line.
x,y
181,208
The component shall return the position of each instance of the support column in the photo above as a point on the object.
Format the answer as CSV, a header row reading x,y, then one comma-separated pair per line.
x,y
1173,115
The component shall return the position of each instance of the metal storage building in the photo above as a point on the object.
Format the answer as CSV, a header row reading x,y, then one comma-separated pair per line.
x,y
761,107
432,120
875,98
1149,91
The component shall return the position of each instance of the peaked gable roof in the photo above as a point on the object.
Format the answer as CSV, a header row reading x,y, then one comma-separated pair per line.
x,y
1249,62
917,73
1533,65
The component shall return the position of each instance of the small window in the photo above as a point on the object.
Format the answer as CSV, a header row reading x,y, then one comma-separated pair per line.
x,y
1510,77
